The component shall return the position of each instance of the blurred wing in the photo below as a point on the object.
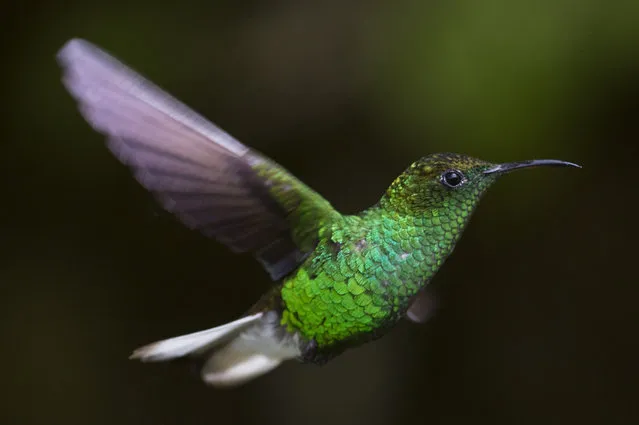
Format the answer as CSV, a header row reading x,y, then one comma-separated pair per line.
x,y
423,307
209,180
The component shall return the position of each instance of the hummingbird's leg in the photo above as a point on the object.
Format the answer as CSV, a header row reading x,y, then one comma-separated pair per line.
x,y
309,351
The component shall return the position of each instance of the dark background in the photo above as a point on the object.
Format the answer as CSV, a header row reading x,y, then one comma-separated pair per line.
x,y
538,317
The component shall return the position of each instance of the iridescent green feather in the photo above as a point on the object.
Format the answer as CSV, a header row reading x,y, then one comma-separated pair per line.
x,y
306,211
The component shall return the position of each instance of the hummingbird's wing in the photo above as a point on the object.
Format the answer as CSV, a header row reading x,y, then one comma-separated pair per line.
x,y
209,180
422,307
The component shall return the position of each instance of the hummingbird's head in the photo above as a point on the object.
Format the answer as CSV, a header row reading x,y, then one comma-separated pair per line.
x,y
450,183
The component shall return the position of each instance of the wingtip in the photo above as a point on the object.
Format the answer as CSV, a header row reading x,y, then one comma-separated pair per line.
x,y
70,48
77,49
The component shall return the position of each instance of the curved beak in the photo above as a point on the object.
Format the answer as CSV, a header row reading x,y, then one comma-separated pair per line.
x,y
510,166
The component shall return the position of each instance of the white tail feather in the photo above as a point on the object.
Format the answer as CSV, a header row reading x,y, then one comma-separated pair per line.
x,y
192,343
230,368
239,351
257,351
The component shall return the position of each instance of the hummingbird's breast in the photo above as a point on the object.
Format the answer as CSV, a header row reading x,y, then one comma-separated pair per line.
x,y
361,278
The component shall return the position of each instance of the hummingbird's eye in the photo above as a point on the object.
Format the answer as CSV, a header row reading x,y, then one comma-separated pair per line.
x,y
452,178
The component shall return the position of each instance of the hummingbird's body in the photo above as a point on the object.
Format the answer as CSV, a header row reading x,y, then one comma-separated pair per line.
x,y
340,280
366,269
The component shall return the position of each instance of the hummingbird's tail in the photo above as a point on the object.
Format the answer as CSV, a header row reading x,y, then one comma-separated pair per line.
x,y
233,353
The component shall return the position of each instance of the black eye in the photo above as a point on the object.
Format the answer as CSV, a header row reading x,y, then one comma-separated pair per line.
x,y
452,178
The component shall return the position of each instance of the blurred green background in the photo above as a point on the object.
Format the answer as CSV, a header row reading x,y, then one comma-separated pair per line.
x,y
538,318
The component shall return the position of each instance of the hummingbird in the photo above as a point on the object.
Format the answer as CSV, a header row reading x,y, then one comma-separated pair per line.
x,y
337,280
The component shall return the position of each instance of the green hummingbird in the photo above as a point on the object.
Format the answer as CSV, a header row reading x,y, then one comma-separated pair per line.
x,y
339,280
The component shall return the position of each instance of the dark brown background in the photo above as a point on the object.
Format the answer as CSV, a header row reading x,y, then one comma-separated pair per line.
x,y
538,316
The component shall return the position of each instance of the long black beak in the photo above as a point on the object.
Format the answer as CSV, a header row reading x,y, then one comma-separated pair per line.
x,y
510,166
